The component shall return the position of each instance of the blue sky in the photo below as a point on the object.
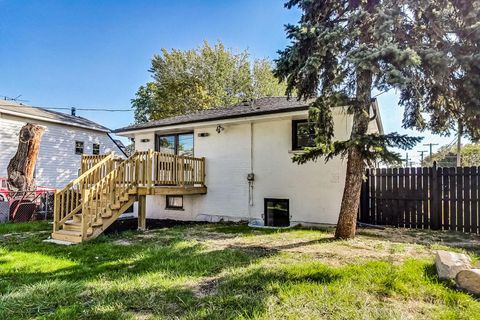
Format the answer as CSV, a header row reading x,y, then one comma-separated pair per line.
x,y
95,54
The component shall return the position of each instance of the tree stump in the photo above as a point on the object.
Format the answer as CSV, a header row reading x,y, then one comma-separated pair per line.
x,y
22,166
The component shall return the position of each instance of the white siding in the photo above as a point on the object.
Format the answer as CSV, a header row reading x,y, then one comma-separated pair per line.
x,y
263,147
57,162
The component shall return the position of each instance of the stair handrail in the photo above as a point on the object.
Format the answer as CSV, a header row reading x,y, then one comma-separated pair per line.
x,y
67,202
105,190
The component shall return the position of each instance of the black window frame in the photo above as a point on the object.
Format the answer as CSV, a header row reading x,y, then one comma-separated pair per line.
x,y
176,143
295,124
265,215
168,207
93,148
76,148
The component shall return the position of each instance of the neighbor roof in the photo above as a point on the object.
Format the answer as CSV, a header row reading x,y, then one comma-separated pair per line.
x,y
25,111
256,107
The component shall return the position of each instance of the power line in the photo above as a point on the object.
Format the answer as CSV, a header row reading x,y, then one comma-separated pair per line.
x,y
66,108
89,109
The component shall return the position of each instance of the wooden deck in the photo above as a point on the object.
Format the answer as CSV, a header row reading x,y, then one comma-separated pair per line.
x,y
108,186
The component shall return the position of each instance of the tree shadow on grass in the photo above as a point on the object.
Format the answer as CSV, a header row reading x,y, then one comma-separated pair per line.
x,y
103,259
248,294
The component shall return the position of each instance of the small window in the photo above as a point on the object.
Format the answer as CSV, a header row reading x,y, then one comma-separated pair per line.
x,y
174,202
277,213
96,148
303,134
78,147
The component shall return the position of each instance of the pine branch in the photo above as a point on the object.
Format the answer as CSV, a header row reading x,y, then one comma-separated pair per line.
x,y
372,147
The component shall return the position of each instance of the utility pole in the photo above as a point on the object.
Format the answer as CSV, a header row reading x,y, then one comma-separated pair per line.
x,y
430,145
406,159
421,156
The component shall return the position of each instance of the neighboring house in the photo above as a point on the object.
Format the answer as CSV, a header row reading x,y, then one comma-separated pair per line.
x,y
65,139
250,175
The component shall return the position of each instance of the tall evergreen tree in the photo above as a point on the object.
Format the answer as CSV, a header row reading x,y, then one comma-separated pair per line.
x,y
343,50
209,76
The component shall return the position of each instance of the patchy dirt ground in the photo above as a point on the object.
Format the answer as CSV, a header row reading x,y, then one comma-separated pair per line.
x,y
386,244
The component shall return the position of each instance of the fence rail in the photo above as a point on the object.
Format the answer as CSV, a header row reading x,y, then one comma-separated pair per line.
x,y
428,198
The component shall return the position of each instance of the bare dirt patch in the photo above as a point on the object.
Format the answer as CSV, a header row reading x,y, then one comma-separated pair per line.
x,y
389,244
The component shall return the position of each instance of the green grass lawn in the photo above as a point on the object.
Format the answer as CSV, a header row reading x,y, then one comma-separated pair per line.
x,y
229,271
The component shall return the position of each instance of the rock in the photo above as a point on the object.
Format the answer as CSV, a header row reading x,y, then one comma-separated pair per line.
x,y
469,280
450,263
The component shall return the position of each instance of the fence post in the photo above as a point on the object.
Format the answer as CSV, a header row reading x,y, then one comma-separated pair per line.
x,y
435,198
56,211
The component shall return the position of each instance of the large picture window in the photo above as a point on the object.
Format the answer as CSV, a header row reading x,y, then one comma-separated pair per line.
x,y
303,134
179,144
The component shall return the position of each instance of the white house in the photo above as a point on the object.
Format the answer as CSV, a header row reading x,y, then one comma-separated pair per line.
x,y
65,139
250,175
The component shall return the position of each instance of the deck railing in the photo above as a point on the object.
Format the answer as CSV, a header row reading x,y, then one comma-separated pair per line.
x,y
109,183
153,168
161,169
68,201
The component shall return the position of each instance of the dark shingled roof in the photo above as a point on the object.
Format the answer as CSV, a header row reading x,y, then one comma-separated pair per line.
x,y
256,107
10,107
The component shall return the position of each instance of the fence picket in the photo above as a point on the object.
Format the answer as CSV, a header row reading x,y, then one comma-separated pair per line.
x,y
436,198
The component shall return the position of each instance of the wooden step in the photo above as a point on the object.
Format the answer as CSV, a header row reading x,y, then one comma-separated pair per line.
x,y
124,198
65,235
107,214
115,206
77,217
76,226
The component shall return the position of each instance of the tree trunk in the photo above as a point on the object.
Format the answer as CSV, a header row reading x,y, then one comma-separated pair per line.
x,y
22,166
347,219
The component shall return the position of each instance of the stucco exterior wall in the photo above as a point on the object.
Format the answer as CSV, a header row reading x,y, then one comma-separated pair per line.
x,y
57,162
263,147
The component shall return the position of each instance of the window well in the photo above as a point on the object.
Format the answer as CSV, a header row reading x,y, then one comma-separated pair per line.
x,y
277,213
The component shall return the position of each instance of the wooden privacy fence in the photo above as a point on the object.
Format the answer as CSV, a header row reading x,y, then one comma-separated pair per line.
x,y
427,198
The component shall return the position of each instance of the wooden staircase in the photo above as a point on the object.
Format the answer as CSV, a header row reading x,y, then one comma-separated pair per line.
x,y
92,202
108,186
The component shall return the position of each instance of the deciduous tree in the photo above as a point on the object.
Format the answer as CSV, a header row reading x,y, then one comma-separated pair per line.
x,y
209,76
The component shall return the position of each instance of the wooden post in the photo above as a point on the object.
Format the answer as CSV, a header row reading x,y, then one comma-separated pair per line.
x,y
435,198
56,211
85,213
182,171
150,168
203,174
142,217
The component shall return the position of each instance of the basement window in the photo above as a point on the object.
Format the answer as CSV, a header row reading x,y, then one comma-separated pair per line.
x,y
174,202
277,213
78,147
303,134
96,149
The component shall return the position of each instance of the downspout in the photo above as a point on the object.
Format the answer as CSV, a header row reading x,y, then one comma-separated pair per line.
x,y
250,176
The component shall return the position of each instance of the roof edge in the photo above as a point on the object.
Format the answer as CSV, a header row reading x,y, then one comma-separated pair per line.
x,y
129,129
27,116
